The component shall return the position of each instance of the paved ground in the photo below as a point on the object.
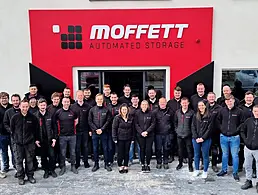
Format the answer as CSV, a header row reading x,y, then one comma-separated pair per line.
x,y
103,182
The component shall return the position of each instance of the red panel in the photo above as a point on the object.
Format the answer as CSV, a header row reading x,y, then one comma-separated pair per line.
x,y
48,55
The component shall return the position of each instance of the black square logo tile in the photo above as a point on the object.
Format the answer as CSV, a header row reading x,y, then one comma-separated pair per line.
x,y
64,37
71,29
64,45
71,45
71,37
78,37
78,45
78,29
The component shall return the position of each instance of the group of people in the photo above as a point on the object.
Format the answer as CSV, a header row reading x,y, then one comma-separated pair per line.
x,y
191,128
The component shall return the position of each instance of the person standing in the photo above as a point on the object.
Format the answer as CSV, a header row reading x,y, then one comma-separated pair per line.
x,y
33,93
106,92
67,94
46,139
183,121
200,88
227,92
126,98
164,128
145,126
99,119
52,108
23,128
4,134
230,118
216,151
87,97
33,105
249,133
123,135
82,129
152,100
66,120
201,131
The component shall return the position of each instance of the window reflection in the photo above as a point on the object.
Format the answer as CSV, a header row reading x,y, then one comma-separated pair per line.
x,y
157,80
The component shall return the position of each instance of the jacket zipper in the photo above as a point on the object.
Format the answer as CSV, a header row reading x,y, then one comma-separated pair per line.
x,y
229,116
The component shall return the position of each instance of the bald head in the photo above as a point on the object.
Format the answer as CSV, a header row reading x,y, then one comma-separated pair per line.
x,y
162,103
226,91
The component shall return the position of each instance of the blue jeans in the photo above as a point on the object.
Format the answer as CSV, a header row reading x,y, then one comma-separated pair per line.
x,y
104,141
131,152
162,144
231,143
65,141
203,147
5,141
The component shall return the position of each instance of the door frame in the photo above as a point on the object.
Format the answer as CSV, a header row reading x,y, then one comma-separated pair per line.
x,y
121,68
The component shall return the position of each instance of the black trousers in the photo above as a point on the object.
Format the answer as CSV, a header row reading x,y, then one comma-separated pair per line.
x,y
241,155
216,151
47,157
65,141
162,144
123,152
145,148
21,153
82,147
185,143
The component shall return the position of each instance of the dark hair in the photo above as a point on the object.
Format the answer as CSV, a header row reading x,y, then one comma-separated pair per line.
x,y
128,109
152,89
42,100
86,89
135,95
55,94
206,112
4,94
33,85
24,101
67,88
113,93
185,98
127,85
177,88
249,93
230,97
16,95
212,93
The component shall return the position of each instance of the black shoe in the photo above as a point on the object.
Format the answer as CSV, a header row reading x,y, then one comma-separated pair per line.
x,y
171,159
74,170
215,169
248,184
108,168
62,171
166,166
46,175
236,177
53,173
77,166
179,166
125,170
121,170
21,181
15,175
190,167
158,166
95,168
86,165
147,168
185,160
222,173
240,169
143,168
256,187
32,180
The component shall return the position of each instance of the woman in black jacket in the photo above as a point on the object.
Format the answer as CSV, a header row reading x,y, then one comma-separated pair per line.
x,y
122,133
145,124
201,133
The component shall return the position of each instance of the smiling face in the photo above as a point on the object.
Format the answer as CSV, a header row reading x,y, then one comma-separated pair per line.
x,y
162,103
33,90
66,102
144,106
24,106
201,107
200,89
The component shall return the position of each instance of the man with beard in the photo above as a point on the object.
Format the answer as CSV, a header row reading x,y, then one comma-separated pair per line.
x,y
152,100
226,94
106,92
200,96
126,98
67,94
87,97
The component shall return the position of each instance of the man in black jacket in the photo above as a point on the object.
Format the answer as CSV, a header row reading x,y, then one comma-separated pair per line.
x,y
249,133
66,120
4,134
216,152
46,139
182,122
226,94
23,127
174,104
82,129
106,92
33,93
200,96
230,118
152,100
164,128
99,119
67,94
87,97
52,108
126,98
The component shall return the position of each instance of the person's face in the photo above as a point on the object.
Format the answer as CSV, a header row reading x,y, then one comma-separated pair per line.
x,y
230,103
226,90
255,112
33,90
107,91
177,94
249,99
79,96
56,101
15,102
135,100
33,102
144,106
67,92
211,98
127,91
99,100
185,104
87,94
42,106
4,100
152,94
66,103
24,107
162,103
124,111
201,107
200,89
113,98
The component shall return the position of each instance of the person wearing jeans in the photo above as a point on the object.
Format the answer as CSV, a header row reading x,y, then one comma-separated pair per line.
x,y
230,118
201,131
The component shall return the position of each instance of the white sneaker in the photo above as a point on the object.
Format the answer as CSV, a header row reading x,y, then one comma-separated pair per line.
x,y
2,175
204,175
196,173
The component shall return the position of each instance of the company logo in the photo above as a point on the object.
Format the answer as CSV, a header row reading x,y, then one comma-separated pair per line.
x,y
72,39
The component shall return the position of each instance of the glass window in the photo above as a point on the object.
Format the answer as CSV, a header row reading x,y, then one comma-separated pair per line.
x,y
156,78
89,79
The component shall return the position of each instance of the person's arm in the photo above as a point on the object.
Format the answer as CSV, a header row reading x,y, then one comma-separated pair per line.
x,y
12,125
37,128
136,124
175,121
7,122
243,131
241,120
90,120
115,129
207,134
153,124
194,127
108,120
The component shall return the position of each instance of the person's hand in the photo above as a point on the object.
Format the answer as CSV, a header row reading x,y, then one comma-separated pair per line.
x,y
37,143
132,142
90,133
115,142
53,143
144,134
201,140
99,131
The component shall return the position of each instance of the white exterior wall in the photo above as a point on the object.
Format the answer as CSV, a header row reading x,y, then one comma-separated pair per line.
x,y
235,40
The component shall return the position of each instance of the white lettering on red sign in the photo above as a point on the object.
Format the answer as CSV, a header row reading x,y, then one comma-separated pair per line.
x,y
153,31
